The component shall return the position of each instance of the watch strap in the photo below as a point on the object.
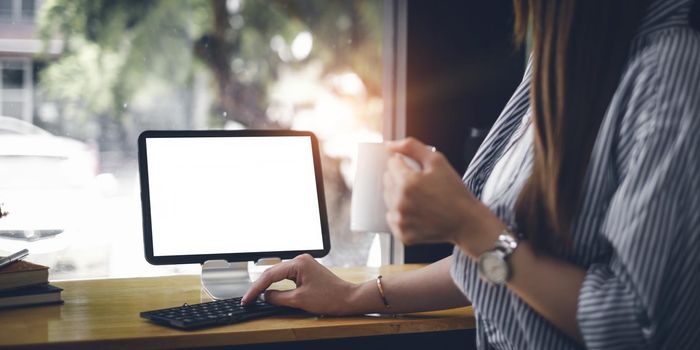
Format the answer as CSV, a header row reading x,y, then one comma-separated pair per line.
x,y
506,243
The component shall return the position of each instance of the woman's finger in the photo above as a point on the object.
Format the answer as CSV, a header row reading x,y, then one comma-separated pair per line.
x,y
388,190
402,228
283,297
413,149
282,271
393,224
398,167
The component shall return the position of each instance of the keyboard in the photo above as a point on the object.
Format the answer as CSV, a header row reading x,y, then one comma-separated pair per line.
x,y
218,312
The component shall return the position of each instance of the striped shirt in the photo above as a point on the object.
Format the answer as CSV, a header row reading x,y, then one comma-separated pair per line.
x,y
636,233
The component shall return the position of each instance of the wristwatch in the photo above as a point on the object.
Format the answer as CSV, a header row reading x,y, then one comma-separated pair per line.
x,y
493,264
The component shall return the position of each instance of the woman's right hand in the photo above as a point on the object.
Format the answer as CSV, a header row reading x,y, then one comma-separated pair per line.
x,y
318,290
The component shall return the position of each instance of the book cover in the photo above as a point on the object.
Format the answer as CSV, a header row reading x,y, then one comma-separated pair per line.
x,y
35,295
23,273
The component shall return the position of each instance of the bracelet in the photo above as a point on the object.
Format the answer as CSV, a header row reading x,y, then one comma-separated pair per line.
x,y
381,291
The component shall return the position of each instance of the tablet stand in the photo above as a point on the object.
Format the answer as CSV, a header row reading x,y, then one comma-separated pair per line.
x,y
223,280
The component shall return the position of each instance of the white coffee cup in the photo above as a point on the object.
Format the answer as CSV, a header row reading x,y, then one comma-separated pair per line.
x,y
367,210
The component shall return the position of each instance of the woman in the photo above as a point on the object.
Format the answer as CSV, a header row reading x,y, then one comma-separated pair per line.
x,y
578,226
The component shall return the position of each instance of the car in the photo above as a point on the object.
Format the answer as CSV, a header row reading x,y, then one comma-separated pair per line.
x,y
47,183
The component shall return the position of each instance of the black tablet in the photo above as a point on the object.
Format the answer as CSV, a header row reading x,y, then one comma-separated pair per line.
x,y
236,195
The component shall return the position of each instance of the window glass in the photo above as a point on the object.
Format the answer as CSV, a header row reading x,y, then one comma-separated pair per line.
x,y
5,9
127,66
12,78
28,9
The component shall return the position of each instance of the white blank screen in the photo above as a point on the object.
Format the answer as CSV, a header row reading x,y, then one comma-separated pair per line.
x,y
221,195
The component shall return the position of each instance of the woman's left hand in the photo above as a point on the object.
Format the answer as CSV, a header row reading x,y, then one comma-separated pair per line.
x,y
431,204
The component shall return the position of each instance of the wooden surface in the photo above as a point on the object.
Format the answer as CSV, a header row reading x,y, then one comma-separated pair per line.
x,y
105,314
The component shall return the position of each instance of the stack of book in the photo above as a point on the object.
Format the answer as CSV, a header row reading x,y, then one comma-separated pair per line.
x,y
23,283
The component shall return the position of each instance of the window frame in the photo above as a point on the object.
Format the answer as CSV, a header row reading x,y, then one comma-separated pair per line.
x,y
394,43
24,94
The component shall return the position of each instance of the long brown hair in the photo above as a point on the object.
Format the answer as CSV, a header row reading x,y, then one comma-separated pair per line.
x,y
579,48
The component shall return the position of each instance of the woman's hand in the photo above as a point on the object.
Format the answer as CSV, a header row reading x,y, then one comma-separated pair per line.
x,y
318,290
432,204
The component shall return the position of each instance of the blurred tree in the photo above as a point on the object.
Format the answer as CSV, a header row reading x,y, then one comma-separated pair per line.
x,y
114,48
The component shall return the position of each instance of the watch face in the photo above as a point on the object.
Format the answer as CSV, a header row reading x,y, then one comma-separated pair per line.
x,y
493,267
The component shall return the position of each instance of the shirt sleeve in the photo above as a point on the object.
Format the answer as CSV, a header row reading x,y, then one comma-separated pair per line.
x,y
650,220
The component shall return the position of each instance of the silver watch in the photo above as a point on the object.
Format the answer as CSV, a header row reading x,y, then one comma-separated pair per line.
x,y
493,264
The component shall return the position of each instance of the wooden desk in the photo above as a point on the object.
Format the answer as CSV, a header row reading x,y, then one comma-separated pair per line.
x,y
105,314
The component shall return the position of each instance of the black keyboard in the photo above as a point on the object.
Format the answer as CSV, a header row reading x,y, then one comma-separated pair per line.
x,y
212,313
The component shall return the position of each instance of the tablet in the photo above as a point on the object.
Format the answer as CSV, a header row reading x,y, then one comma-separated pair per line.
x,y
236,195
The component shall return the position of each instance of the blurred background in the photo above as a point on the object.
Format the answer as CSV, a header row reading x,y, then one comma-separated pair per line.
x,y
82,78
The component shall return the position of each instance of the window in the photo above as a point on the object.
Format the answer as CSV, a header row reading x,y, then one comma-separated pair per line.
x,y
28,9
17,10
15,89
128,66
12,78
5,9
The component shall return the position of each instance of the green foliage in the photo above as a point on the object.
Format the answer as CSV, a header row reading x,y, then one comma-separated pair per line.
x,y
116,51
112,48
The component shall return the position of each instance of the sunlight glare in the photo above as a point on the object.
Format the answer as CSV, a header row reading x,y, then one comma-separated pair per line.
x,y
302,45
349,84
